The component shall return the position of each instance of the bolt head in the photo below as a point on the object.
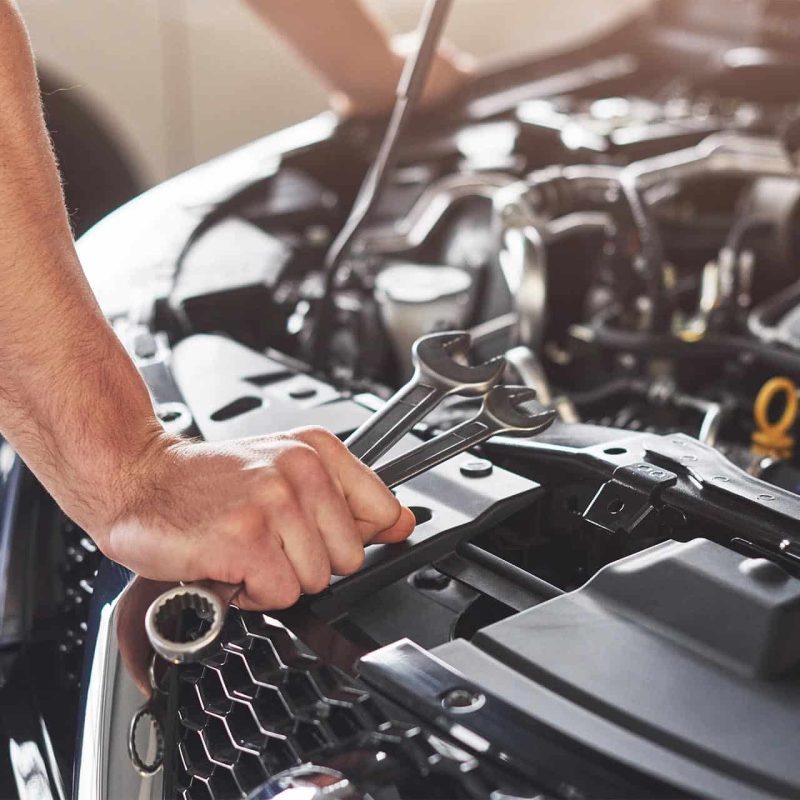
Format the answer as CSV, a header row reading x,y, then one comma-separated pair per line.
x,y
462,700
763,571
477,468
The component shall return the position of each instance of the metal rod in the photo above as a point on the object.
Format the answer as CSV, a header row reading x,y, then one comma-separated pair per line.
x,y
409,93
511,572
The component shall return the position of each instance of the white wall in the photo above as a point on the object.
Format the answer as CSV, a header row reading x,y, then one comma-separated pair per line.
x,y
184,80
283,92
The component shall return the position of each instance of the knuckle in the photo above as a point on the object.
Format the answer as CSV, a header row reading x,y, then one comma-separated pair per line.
x,y
305,463
319,582
244,523
351,561
287,596
320,437
299,456
278,494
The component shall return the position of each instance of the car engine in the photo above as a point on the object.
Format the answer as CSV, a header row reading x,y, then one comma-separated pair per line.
x,y
609,609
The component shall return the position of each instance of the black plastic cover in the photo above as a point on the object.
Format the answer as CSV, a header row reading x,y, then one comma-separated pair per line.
x,y
687,645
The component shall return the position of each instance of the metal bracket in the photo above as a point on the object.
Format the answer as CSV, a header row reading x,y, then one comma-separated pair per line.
x,y
707,487
718,475
451,509
629,498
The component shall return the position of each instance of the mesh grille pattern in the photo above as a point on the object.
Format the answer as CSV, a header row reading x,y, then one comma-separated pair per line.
x,y
78,570
260,705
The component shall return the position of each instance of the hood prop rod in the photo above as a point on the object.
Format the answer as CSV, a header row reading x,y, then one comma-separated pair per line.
x,y
408,94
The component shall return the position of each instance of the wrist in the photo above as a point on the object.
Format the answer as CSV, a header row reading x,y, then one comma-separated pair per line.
x,y
86,435
122,476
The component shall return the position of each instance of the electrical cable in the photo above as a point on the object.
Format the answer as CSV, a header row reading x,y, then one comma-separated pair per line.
x,y
761,320
720,347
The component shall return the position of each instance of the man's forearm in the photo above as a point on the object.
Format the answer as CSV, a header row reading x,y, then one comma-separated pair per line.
x,y
289,510
59,359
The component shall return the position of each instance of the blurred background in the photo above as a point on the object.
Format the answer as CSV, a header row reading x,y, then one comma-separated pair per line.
x,y
139,90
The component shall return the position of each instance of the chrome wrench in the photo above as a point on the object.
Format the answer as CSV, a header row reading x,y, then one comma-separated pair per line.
x,y
440,370
501,412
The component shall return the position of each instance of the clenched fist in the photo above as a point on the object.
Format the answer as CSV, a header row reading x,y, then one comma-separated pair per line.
x,y
278,513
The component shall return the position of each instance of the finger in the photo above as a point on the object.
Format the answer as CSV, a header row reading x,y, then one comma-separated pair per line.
x,y
252,555
300,537
400,531
134,646
324,502
227,592
371,503
270,581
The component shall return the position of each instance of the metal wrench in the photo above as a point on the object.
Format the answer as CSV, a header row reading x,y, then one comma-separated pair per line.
x,y
437,375
501,412
440,370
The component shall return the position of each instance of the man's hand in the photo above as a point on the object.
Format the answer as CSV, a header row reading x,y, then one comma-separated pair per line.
x,y
279,514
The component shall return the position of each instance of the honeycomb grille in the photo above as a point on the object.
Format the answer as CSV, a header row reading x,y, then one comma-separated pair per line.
x,y
259,705
77,571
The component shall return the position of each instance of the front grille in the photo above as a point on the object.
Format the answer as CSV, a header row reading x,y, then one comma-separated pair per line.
x,y
264,703
78,569
261,704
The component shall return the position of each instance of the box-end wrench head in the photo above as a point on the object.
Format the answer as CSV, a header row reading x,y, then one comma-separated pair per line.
x,y
441,368
501,412
194,603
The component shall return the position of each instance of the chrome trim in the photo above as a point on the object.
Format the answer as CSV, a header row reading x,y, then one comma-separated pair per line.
x,y
112,699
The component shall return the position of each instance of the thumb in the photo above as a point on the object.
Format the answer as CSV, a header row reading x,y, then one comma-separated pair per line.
x,y
400,531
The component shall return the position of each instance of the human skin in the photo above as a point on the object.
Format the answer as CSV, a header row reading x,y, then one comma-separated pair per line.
x,y
361,80
279,514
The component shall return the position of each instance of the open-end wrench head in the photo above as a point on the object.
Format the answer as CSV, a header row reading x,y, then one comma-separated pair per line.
x,y
503,405
445,358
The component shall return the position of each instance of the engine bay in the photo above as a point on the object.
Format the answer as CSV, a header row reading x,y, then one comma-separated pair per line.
x,y
624,232
622,223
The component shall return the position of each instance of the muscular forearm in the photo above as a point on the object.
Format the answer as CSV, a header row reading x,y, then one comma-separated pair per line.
x,y
279,513
59,359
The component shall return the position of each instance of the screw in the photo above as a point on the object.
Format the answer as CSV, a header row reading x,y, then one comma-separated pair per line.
x,y
430,578
477,468
462,701
302,392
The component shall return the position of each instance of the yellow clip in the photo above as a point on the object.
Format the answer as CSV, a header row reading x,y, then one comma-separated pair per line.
x,y
773,438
